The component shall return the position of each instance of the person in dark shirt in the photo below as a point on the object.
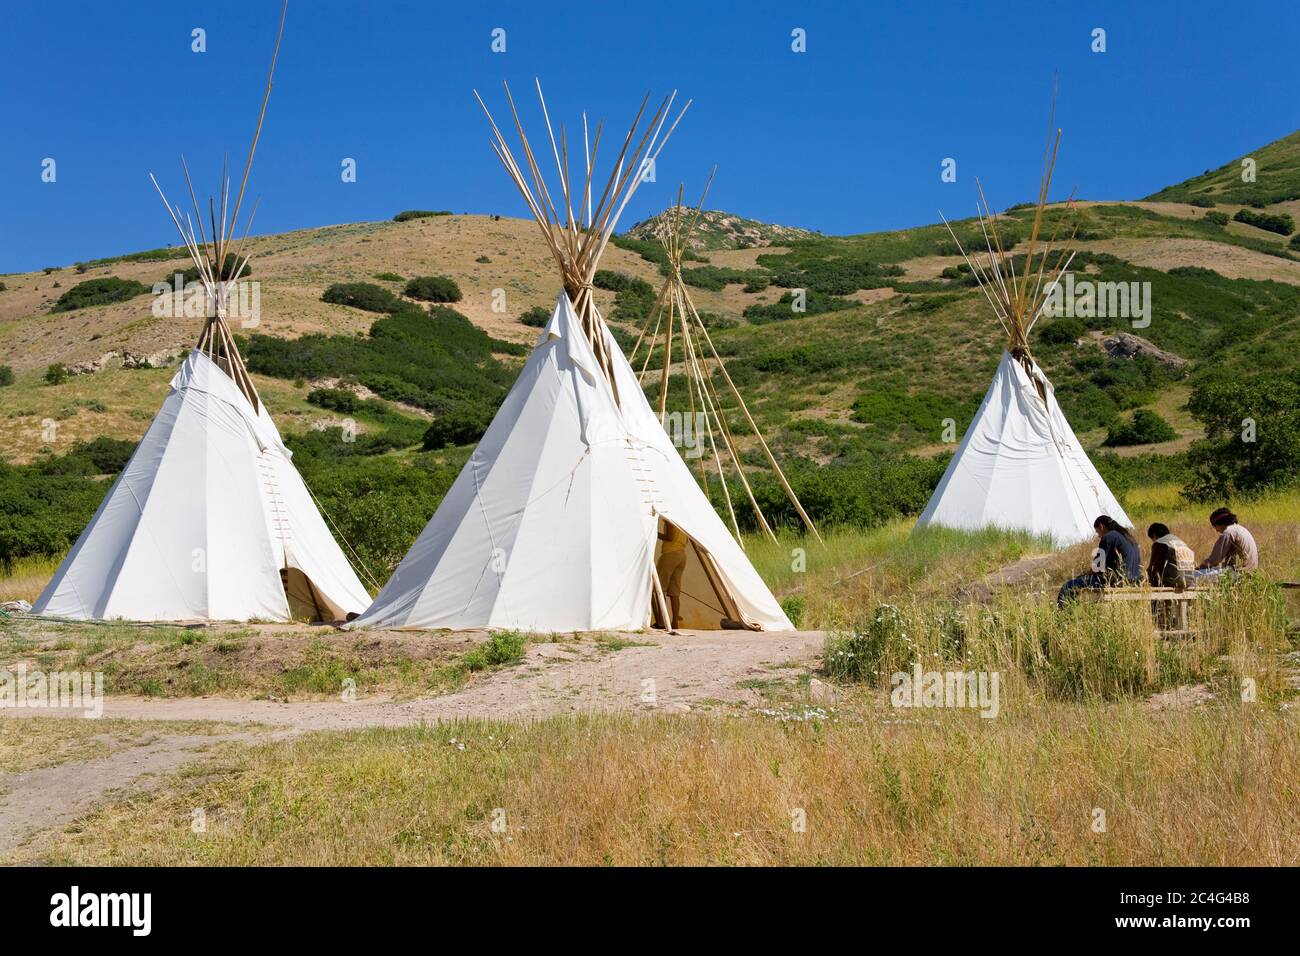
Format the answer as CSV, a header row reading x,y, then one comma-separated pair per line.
x,y
1172,560
1116,561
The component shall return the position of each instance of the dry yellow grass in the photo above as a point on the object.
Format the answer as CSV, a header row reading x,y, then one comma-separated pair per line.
x,y
1214,786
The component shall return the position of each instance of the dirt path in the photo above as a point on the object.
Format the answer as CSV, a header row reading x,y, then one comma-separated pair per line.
x,y
651,673
36,800
667,673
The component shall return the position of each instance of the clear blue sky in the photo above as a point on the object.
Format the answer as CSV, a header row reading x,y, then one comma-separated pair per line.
x,y
847,137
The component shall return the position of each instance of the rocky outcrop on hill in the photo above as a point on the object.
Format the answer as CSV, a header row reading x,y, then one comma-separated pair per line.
x,y
723,230
1127,345
125,358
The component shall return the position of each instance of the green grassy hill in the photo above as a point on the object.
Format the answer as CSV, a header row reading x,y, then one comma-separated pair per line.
x,y
863,394
1277,178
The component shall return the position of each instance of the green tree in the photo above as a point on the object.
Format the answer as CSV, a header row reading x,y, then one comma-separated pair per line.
x,y
1252,434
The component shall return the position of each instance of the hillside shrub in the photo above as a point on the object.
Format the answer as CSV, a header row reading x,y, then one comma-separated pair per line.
x,y
1144,428
336,399
717,278
6,376
228,269
388,277
462,424
45,505
536,317
433,289
56,373
364,295
634,301
409,214
782,310
1061,331
1281,223
98,292
863,493
436,360
611,281
1216,218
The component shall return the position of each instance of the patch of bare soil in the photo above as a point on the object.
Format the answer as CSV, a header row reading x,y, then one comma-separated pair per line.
x,y
1181,698
52,796
673,673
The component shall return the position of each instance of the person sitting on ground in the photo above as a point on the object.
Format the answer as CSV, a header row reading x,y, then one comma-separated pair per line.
x,y
1233,553
1117,561
1172,560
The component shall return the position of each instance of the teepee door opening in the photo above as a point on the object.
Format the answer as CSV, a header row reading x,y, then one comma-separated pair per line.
x,y
306,603
704,601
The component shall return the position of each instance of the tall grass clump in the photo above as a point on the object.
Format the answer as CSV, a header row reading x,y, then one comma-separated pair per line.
x,y
1085,651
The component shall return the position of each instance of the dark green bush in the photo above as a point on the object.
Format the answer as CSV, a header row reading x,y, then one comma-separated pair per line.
x,y
1281,223
388,277
56,373
1216,218
335,399
433,289
463,424
6,376
98,292
611,281
410,214
780,311
436,360
364,295
634,301
1144,428
1061,331
537,316
717,278
228,269
45,505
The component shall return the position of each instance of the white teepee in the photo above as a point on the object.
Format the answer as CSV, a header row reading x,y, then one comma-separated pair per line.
x,y
209,520
555,521
1020,466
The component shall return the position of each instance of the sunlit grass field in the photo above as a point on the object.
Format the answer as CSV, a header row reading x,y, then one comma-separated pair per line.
x,y
1041,785
1111,745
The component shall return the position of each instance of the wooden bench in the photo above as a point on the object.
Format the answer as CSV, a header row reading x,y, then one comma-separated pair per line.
x,y
1181,601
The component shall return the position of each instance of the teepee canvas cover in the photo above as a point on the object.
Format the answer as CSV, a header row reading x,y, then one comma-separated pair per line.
x,y
552,524
1020,466
209,520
